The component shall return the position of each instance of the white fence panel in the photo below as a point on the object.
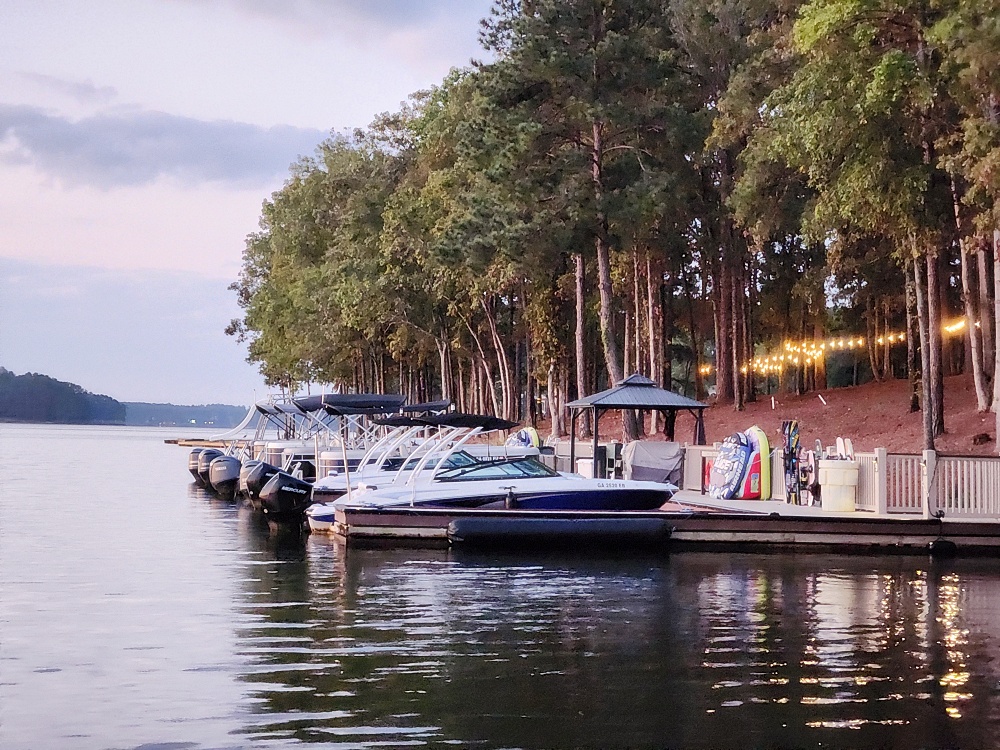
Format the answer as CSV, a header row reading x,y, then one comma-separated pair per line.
x,y
904,488
968,487
868,482
778,475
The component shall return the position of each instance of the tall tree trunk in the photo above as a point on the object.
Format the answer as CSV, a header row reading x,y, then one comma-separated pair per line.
x,y
996,327
736,333
935,338
637,306
445,361
749,305
627,350
912,337
555,408
564,394
699,385
971,313
655,352
923,322
581,340
609,338
871,337
723,334
985,307
503,363
820,376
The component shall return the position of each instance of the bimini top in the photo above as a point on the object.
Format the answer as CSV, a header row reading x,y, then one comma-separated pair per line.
x,y
351,403
471,421
429,407
448,419
636,392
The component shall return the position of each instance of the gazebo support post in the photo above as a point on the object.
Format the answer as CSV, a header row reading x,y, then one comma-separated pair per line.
x,y
597,415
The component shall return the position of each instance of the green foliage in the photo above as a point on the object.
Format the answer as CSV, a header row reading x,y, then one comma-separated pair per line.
x,y
809,145
38,398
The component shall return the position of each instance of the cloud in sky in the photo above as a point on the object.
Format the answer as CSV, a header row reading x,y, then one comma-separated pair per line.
x,y
139,147
83,92
139,138
324,16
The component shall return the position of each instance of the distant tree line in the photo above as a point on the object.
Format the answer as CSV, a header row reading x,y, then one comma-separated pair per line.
x,y
208,415
38,398
691,189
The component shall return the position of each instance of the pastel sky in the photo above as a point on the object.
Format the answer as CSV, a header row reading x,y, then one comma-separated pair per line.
x,y
138,140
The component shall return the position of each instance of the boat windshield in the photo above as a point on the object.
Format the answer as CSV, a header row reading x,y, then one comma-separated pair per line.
x,y
455,460
517,468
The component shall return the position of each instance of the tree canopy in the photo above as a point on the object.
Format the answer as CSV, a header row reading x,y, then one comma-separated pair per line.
x,y
730,196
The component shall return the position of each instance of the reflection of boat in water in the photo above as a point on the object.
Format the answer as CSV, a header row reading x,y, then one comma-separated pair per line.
x,y
432,480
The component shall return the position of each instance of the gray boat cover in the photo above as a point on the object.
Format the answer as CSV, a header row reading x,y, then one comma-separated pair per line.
x,y
654,461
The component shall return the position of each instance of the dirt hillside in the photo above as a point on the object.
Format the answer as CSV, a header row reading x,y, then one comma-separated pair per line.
x,y
872,415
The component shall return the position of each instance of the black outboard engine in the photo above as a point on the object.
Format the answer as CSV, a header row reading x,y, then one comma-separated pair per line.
x,y
193,464
259,476
224,475
245,469
204,461
285,498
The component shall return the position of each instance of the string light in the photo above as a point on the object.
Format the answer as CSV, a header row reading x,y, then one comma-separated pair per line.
x,y
808,351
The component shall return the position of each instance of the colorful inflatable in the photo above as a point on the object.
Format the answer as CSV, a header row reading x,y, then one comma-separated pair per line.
x,y
742,470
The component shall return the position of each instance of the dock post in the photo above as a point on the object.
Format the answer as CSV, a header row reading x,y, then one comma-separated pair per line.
x,y
928,501
881,481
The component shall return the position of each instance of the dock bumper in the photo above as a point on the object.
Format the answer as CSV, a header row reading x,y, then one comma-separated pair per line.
x,y
549,532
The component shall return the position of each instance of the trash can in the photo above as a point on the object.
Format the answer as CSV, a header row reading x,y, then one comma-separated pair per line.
x,y
585,467
838,481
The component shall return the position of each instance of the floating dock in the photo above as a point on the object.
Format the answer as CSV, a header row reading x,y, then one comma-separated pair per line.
x,y
690,522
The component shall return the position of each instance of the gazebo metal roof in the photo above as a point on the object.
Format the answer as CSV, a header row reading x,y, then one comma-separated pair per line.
x,y
640,393
637,392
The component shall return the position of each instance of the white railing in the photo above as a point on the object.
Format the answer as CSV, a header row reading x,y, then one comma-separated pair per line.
x,y
902,488
965,486
896,484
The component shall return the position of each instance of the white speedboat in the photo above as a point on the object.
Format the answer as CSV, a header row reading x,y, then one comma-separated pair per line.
x,y
399,451
513,483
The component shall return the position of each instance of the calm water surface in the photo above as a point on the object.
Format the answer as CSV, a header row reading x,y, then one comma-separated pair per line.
x,y
137,611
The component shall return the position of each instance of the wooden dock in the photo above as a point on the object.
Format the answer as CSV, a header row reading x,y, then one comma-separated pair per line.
x,y
698,523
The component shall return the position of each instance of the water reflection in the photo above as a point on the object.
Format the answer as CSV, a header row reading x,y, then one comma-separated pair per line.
x,y
372,647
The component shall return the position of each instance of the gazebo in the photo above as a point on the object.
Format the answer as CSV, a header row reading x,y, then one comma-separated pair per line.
x,y
640,393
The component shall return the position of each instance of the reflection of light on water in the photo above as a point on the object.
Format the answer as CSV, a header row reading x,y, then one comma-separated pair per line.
x,y
868,639
854,723
954,638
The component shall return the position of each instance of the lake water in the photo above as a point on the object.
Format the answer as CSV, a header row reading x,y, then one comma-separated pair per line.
x,y
139,612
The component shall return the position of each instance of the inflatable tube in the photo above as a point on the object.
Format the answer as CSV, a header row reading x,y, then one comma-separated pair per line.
x,y
760,442
559,531
730,466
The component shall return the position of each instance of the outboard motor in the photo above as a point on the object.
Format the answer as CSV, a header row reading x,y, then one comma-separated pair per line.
x,y
224,475
245,469
193,465
204,461
259,476
285,498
